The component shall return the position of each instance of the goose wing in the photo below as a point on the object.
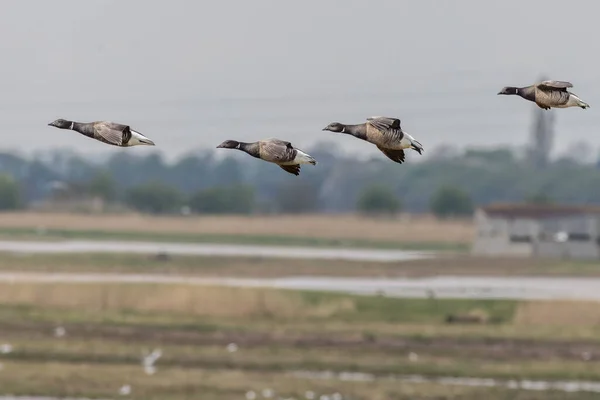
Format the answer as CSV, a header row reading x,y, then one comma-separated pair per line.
x,y
277,151
394,155
111,132
292,169
554,85
384,130
384,124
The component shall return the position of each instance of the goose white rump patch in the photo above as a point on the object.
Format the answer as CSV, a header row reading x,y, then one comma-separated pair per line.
x,y
139,139
407,141
303,158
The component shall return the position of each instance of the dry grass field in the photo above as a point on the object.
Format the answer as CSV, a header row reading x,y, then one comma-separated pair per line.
x,y
406,229
296,306
107,328
278,335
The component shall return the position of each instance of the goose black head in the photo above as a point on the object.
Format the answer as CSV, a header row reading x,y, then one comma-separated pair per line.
x,y
61,124
335,127
229,144
509,90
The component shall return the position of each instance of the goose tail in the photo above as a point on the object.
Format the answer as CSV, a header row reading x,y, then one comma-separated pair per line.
x,y
138,138
583,104
413,143
417,146
578,102
303,158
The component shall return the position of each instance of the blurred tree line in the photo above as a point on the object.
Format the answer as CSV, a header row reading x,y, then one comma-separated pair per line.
x,y
447,182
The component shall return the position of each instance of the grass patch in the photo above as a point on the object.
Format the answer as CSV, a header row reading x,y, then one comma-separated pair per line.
x,y
109,326
63,379
558,313
404,228
386,309
209,301
272,267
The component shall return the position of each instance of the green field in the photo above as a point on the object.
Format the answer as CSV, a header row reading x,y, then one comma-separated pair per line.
x,y
270,267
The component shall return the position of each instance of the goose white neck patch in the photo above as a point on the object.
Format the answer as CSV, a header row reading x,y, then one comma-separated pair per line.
x,y
72,125
343,129
238,146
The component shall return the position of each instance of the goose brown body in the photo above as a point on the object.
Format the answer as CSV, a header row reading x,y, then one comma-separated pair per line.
x,y
112,133
385,133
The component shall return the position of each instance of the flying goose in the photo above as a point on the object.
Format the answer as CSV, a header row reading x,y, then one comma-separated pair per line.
x,y
548,94
383,132
275,151
106,132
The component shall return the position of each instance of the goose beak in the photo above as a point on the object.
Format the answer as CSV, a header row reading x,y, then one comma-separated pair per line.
x,y
220,146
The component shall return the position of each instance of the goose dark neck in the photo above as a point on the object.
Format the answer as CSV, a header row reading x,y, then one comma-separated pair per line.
x,y
527,92
86,129
359,131
250,148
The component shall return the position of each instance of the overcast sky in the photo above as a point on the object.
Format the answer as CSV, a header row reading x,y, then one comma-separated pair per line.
x,y
190,74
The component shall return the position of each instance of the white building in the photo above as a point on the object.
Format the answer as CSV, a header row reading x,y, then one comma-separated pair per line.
x,y
553,231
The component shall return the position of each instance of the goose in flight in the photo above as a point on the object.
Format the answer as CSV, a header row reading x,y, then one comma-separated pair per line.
x,y
106,132
383,132
274,151
547,94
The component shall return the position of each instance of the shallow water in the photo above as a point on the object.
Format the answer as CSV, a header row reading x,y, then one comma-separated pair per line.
x,y
211,249
564,386
465,287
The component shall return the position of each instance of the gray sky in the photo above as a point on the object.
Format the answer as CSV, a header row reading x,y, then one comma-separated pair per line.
x,y
190,74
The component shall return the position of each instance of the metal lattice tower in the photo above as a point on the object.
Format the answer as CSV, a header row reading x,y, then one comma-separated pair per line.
x,y
541,137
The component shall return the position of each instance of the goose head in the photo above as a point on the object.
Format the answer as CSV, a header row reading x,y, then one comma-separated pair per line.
x,y
335,127
229,144
61,124
509,90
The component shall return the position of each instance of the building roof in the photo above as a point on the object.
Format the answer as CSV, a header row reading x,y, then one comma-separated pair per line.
x,y
538,210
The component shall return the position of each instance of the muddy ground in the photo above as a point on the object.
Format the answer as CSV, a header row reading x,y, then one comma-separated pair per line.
x,y
492,349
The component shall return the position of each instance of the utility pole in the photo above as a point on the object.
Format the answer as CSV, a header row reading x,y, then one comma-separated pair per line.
x,y
541,136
